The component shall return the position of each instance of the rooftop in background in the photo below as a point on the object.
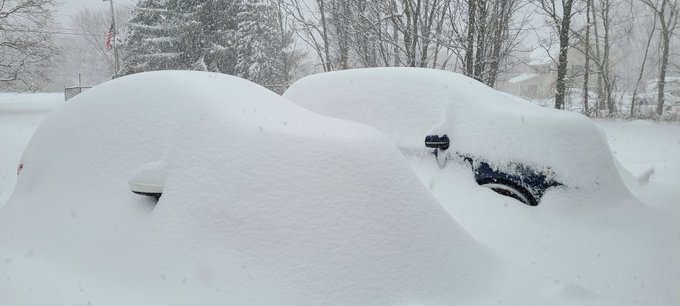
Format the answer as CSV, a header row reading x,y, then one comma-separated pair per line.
x,y
543,56
522,77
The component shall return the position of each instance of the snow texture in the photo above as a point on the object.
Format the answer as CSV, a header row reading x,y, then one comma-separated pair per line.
x,y
264,202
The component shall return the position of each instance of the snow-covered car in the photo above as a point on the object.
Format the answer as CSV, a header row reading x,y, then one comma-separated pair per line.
x,y
263,203
515,148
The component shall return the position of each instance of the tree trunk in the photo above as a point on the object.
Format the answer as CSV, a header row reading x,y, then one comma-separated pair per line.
x,y
606,70
480,65
469,47
500,34
599,105
586,66
642,69
324,30
661,84
669,22
564,48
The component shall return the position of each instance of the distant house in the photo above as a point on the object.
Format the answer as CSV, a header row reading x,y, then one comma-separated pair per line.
x,y
526,84
536,78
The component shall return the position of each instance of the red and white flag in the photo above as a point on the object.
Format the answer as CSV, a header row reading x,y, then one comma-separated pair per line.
x,y
109,37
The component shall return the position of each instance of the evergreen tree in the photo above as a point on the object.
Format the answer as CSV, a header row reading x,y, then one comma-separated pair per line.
x,y
189,32
151,43
219,20
261,44
239,37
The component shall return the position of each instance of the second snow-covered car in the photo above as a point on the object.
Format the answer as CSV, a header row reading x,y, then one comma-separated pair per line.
x,y
515,148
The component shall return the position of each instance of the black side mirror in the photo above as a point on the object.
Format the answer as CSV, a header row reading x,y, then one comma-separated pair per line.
x,y
437,142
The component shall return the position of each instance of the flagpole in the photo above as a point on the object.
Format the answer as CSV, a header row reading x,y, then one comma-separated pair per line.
x,y
115,34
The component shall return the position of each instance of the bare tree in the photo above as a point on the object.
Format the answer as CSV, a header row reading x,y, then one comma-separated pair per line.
x,y
586,66
491,31
324,31
310,26
604,64
642,68
26,48
416,33
560,13
611,18
94,25
470,38
667,12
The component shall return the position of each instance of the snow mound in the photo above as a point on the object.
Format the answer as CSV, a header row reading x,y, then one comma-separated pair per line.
x,y
263,202
409,103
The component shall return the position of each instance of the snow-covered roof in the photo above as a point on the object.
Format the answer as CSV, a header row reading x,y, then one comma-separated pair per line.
x,y
544,56
522,77
264,203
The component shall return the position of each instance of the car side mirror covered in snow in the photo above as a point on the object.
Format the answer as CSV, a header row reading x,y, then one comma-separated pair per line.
x,y
149,179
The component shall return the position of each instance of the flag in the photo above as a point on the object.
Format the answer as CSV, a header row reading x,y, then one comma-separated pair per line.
x,y
110,36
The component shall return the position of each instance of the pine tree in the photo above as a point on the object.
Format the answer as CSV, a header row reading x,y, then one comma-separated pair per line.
x,y
240,37
151,43
190,33
261,45
219,23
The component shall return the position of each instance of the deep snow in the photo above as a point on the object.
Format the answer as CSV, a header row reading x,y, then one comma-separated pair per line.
x,y
591,238
264,203
556,255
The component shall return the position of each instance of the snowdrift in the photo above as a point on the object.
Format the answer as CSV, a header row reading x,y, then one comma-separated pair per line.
x,y
264,202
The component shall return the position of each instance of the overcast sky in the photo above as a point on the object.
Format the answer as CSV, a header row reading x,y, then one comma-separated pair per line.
x,y
69,7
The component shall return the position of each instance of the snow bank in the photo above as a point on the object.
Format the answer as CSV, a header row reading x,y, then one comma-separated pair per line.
x,y
20,115
30,102
409,103
264,202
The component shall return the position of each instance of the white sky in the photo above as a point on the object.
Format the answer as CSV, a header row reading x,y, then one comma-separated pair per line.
x,y
69,7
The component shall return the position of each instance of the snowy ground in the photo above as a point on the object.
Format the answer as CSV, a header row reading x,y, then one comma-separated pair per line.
x,y
20,115
648,149
581,261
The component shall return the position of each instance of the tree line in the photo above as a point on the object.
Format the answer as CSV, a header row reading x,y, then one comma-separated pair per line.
x,y
273,42
255,39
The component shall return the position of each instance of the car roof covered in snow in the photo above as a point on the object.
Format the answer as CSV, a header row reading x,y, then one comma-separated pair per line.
x,y
264,202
